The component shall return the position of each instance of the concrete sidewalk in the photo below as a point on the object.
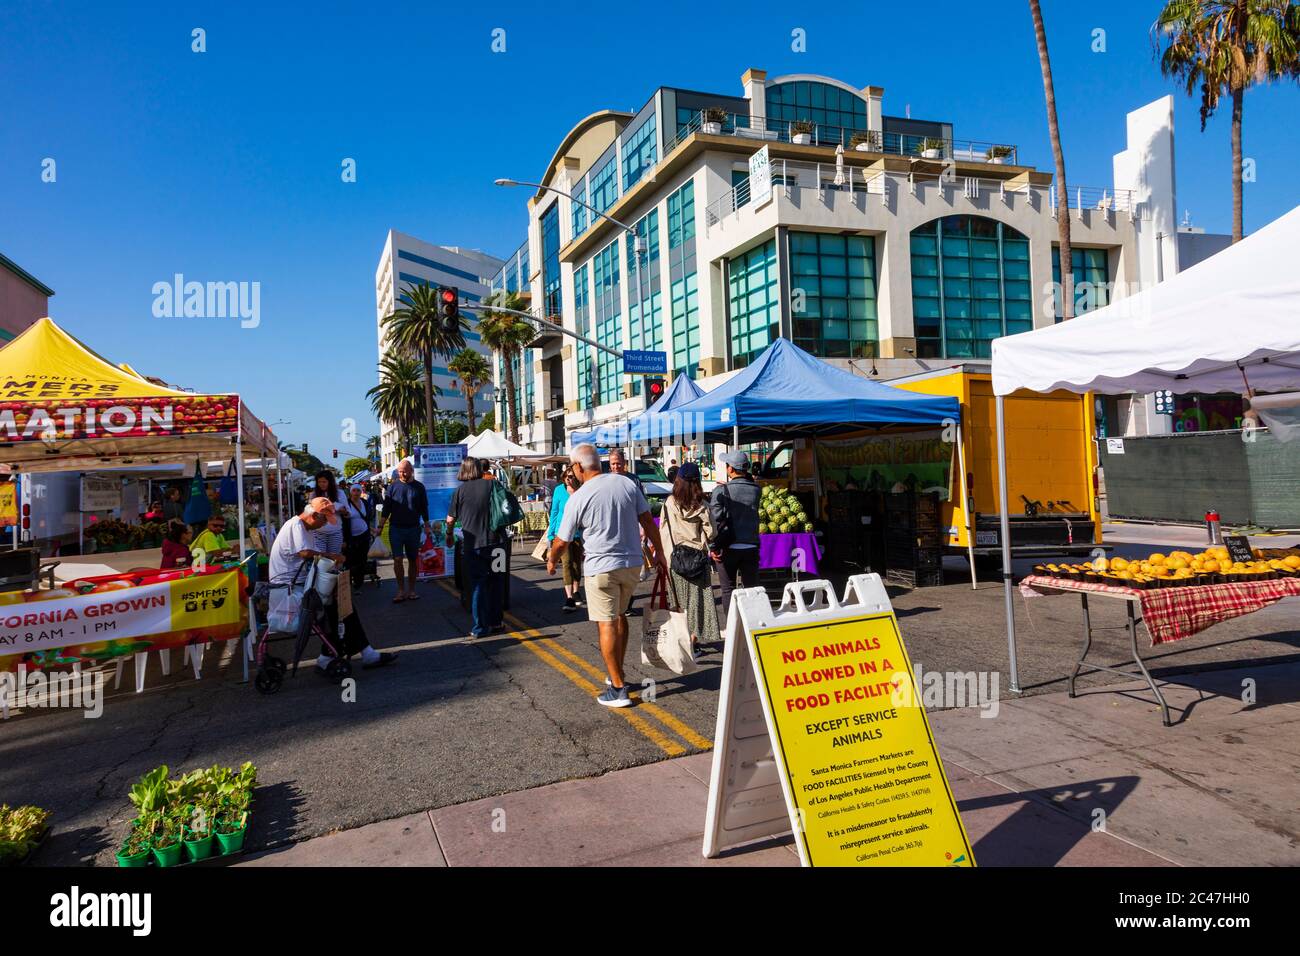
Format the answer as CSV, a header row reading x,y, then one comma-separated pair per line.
x,y
1049,781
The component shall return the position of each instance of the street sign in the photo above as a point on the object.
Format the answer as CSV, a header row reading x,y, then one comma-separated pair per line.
x,y
822,729
641,362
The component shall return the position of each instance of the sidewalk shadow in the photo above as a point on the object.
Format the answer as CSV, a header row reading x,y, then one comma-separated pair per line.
x,y
274,820
1041,831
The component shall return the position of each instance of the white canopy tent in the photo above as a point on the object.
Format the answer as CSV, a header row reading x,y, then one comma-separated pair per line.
x,y
496,447
1229,323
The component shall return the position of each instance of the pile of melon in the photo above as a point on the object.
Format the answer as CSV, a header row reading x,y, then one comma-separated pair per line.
x,y
1211,566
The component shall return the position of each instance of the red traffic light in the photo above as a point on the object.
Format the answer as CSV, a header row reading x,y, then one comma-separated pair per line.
x,y
448,296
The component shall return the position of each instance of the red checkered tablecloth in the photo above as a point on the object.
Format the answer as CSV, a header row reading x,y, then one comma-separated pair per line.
x,y
1174,613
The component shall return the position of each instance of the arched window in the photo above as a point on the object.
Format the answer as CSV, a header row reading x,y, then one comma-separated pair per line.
x,y
970,285
819,103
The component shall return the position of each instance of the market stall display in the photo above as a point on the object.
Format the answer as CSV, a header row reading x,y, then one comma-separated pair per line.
x,y
1179,345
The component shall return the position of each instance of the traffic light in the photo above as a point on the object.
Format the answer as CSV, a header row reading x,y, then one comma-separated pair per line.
x,y
654,390
336,453
449,308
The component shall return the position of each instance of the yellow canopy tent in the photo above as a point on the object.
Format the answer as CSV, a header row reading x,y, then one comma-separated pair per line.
x,y
64,407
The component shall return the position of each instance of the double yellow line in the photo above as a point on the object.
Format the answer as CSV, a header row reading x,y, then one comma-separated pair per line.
x,y
574,667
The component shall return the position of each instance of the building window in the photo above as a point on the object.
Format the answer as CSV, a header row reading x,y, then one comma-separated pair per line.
x,y
837,112
604,185
753,294
609,322
833,294
683,291
645,304
525,272
970,285
579,211
1091,279
552,292
582,325
639,153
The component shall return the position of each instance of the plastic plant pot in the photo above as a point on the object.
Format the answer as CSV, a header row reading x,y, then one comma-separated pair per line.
x,y
232,842
168,855
139,859
199,849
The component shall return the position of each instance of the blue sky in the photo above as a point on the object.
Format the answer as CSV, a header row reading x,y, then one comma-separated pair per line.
x,y
225,165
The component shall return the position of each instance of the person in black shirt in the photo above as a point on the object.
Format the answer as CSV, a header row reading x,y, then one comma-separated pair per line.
x,y
484,550
407,506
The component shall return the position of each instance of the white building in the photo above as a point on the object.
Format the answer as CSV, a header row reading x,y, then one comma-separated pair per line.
x,y
407,261
885,245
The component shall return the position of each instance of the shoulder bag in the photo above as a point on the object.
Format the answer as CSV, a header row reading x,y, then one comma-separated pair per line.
x,y
688,562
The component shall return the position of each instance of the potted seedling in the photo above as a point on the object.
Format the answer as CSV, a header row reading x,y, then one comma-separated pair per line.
x,y
998,154
21,832
166,827
801,132
866,141
135,848
199,833
930,148
712,120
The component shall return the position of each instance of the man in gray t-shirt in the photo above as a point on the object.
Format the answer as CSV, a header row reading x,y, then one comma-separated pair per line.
x,y
609,512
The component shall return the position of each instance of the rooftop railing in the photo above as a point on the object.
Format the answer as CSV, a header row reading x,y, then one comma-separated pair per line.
x,y
798,132
828,178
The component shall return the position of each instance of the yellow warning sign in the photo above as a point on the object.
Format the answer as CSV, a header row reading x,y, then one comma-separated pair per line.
x,y
863,774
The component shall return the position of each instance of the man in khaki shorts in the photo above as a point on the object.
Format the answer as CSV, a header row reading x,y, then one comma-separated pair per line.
x,y
610,512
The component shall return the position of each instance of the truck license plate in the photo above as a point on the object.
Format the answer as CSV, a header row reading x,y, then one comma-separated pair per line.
x,y
986,537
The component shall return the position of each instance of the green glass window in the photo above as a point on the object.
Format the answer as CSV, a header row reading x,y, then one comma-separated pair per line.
x,y
837,112
578,212
970,285
604,184
753,294
582,325
609,322
645,305
552,291
684,304
639,152
833,294
1091,279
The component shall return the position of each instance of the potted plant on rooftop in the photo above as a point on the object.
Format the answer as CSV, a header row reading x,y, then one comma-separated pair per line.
x,y
866,141
801,132
998,154
930,148
711,120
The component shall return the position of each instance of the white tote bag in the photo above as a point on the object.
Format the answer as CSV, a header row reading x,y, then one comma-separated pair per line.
x,y
284,608
665,638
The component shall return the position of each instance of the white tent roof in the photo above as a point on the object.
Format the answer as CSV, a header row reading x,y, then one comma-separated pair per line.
x,y
1186,334
494,445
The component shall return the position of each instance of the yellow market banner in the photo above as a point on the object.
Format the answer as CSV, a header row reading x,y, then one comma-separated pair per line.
x,y
99,619
864,775
8,504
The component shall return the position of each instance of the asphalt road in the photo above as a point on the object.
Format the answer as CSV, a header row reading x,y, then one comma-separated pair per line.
x,y
454,720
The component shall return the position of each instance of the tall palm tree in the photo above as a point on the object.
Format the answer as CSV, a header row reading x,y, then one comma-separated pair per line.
x,y
399,396
1058,157
474,372
506,335
374,445
1225,46
417,329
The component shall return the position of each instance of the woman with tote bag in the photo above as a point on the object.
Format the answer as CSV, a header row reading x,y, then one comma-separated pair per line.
x,y
689,533
571,560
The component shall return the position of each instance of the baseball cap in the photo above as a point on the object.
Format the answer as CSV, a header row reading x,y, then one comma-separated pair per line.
x,y
690,471
323,506
736,459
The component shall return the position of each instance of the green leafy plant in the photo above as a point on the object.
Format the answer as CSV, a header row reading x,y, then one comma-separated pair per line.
x,y
801,126
166,830
929,143
715,114
998,152
149,795
20,830
868,138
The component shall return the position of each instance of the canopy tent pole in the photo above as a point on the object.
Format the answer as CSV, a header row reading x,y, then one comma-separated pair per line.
x,y
1005,526
266,501
965,506
246,645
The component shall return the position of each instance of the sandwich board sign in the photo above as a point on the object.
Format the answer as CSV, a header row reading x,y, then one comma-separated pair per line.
x,y
821,730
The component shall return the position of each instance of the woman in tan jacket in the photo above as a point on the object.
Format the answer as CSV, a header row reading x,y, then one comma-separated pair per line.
x,y
689,529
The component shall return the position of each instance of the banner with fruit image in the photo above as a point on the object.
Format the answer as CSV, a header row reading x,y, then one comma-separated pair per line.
x,y
54,389
917,461
93,620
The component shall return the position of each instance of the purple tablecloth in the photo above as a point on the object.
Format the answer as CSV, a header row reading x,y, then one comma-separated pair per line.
x,y
777,551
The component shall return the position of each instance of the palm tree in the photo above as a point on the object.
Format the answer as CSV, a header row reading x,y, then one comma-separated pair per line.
x,y
1058,156
1225,46
507,335
474,372
374,445
417,329
399,396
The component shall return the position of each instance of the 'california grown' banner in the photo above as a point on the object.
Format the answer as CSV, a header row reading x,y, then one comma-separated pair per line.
x,y
109,617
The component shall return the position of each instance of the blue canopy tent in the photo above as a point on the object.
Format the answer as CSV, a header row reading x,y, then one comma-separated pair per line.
x,y
787,393
655,422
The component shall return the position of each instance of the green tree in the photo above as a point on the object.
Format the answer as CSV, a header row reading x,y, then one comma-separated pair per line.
x,y
1058,157
474,372
354,466
374,448
506,335
399,396
1218,47
304,461
417,329
488,423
